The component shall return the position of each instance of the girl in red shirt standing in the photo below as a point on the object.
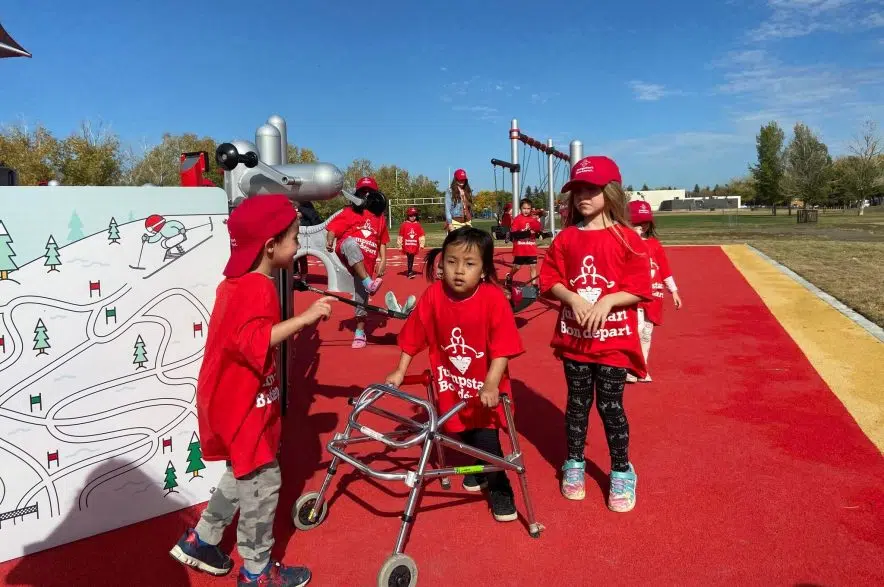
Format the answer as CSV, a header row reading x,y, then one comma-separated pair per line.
x,y
524,229
599,269
362,237
468,328
650,314
411,239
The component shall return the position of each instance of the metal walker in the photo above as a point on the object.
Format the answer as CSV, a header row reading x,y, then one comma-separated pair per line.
x,y
399,569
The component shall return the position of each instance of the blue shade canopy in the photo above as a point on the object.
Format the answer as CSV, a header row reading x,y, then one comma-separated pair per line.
x,y
8,46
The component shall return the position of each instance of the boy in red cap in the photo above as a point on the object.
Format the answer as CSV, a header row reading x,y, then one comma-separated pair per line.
x,y
238,395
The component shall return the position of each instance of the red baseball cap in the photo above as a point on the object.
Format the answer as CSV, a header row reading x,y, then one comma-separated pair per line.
x,y
367,182
596,170
251,224
460,175
640,212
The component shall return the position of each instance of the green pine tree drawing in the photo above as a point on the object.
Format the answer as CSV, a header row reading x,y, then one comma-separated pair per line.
x,y
195,462
140,353
171,481
113,235
7,265
52,259
76,226
41,339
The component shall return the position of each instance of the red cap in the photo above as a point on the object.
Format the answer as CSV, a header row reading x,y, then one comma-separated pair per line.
x,y
367,182
595,170
251,224
640,212
460,175
411,211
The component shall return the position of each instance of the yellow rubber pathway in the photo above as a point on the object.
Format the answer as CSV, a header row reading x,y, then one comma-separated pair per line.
x,y
848,358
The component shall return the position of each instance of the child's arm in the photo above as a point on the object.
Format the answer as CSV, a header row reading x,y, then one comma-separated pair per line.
x,y
382,260
395,378
490,394
668,279
321,308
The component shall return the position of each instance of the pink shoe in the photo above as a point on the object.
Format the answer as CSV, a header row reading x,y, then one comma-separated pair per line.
x,y
573,484
374,286
359,341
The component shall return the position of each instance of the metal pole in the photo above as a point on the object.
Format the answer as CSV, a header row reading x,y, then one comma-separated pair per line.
x,y
576,152
514,159
549,180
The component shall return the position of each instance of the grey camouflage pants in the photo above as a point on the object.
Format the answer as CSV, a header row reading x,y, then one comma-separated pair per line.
x,y
353,254
255,496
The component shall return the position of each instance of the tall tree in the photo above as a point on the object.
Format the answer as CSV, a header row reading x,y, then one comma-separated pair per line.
x,y
160,164
769,170
808,167
864,174
300,155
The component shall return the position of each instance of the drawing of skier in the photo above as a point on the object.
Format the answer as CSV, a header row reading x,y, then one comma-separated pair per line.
x,y
171,234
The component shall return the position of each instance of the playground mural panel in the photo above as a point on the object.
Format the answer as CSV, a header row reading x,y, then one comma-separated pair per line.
x,y
105,295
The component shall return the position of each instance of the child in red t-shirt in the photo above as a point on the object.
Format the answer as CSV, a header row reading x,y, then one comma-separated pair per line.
x,y
599,269
468,328
362,237
411,239
650,314
523,232
238,395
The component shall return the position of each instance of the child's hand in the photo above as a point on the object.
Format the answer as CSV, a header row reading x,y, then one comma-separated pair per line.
x,y
320,309
382,268
489,396
581,309
395,378
599,313
676,299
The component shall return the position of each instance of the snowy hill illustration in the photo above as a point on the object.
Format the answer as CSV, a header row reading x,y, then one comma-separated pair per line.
x,y
101,341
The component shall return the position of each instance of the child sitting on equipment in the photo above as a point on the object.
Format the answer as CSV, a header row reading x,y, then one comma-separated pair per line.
x,y
468,328
411,239
238,396
362,237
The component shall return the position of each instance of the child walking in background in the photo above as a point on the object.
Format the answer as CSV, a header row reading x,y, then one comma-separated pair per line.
x,y
523,232
459,202
238,396
650,314
598,268
468,328
411,239
362,237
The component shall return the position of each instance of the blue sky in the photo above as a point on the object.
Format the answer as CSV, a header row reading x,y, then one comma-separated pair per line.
x,y
674,91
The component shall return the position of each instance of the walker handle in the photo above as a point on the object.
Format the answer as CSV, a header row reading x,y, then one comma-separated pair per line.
x,y
418,378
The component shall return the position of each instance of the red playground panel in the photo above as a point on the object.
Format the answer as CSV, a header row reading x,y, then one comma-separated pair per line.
x,y
750,470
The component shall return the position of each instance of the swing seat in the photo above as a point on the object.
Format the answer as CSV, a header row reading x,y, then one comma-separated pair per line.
x,y
312,243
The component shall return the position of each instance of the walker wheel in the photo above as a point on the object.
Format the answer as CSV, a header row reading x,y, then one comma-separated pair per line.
x,y
301,511
398,571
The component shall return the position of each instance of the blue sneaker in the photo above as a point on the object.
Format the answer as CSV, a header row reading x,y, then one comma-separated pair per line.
x,y
622,495
275,575
573,483
195,553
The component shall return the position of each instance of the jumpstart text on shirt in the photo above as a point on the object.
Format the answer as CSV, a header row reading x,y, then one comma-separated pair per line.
x,y
448,381
602,334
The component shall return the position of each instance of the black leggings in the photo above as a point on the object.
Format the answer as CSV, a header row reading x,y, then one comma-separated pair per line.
x,y
410,257
488,439
608,383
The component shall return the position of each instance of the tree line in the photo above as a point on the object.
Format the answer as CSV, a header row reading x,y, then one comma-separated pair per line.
x,y
801,172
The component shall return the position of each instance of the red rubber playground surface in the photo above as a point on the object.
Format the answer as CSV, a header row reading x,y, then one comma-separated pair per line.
x,y
750,469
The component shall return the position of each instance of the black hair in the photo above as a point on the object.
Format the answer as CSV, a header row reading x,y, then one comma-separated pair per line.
x,y
524,201
468,237
374,201
652,230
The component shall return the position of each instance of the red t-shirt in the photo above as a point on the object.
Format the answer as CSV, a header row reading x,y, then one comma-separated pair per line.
x,y
595,263
659,273
463,336
238,390
526,247
370,232
411,232
507,219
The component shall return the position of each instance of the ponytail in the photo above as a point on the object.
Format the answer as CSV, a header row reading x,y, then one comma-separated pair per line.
x,y
430,263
